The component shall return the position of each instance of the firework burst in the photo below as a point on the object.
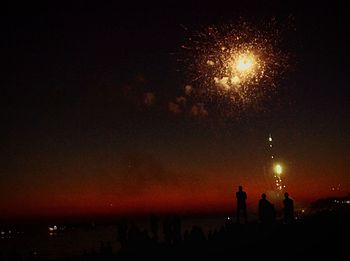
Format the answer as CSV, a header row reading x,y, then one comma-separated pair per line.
x,y
236,63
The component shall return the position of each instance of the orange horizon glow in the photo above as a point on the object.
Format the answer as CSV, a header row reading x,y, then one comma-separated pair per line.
x,y
210,195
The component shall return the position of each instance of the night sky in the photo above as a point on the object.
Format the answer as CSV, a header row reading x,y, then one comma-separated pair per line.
x,y
91,125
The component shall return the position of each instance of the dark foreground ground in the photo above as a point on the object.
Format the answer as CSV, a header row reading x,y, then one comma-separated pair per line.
x,y
323,234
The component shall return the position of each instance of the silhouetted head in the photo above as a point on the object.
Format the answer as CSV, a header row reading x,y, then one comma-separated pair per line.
x,y
263,195
240,188
286,195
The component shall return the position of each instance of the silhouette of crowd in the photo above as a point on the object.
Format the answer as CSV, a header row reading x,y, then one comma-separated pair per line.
x,y
165,236
169,238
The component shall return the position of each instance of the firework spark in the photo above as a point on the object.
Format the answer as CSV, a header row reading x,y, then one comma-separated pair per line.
x,y
238,63
277,168
278,172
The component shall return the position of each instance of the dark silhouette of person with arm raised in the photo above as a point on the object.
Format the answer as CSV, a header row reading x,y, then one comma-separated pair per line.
x,y
241,197
288,210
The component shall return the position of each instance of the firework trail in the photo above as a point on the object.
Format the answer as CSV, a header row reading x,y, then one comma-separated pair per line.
x,y
275,168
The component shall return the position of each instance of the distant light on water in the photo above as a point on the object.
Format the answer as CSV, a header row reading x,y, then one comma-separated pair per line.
x,y
53,228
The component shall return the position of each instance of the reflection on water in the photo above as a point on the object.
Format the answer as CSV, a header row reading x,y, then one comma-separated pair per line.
x,y
61,240
58,241
55,243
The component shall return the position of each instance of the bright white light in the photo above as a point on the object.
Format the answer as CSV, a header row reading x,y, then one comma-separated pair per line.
x,y
245,62
278,169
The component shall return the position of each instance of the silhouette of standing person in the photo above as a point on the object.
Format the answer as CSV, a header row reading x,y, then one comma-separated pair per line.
x,y
266,210
241,197
288,209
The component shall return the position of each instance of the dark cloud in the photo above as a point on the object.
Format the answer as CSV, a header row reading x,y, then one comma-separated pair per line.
x,y
188,89
143,170
174,108
198,110
149,98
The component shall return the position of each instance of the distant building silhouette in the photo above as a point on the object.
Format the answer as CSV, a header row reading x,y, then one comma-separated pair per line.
x,y
154,224
122,232
330,203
